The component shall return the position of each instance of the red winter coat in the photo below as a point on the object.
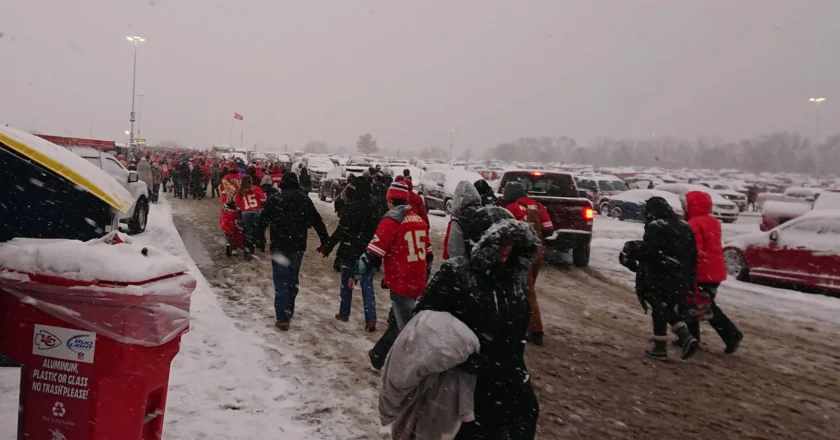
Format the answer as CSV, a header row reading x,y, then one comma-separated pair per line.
x,y
707,234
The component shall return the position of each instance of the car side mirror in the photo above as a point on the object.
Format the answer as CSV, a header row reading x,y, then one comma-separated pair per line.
x,y
133,177
774,236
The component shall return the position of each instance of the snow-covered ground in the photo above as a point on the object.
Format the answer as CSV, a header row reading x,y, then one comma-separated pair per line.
x,y
222,384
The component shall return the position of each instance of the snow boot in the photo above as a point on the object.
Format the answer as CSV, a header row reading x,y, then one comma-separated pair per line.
x,y
284,326
342,318
659,351
536,338
687,342
375,361
370,326
228,250
733,344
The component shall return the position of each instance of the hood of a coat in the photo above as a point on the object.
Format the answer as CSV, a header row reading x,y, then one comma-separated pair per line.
x,y
465,195
398,213
658,208
505,231
514,191
289,181
698,203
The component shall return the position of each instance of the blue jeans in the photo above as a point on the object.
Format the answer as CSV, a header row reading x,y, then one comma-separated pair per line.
x,y
368,295
285,269
250,227
402,310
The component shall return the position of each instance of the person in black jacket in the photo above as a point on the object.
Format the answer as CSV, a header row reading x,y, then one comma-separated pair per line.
x,y
289,214
305,180
665,262
488,197
355,230
487,290
182,172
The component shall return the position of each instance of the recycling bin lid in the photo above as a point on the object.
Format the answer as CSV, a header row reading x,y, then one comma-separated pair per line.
x,y
127,292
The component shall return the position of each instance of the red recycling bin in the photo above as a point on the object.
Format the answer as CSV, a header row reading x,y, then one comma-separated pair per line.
x,y
96,343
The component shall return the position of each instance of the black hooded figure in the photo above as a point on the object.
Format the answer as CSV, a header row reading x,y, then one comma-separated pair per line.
x,y
665,262
487,290
488,197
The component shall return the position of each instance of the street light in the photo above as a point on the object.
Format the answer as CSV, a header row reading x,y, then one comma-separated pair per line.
x,y
817,101
136,41
451,135
139,113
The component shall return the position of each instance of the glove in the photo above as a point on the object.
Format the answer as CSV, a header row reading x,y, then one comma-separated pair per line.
x,y
323,251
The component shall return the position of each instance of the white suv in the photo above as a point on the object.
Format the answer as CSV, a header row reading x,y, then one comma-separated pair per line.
x,y
139,213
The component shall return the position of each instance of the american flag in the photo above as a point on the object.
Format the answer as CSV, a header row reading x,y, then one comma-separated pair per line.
x,y
238,116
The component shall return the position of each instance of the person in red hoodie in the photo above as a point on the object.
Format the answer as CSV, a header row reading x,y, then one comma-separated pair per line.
x,y
276,176
414,199
711,268
249,199
529,210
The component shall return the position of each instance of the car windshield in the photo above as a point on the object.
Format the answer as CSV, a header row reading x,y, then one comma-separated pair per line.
x,y
546,185
612,185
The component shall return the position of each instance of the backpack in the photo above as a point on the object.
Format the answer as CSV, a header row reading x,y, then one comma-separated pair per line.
x,y
534,218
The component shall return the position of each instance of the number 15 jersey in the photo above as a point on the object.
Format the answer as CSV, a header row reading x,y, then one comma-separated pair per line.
x,y
402,241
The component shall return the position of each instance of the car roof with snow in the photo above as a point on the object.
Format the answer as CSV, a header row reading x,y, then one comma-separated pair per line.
x,y
684,188
641,196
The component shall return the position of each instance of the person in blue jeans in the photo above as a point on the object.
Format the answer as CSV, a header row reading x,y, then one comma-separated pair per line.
x,y
355,230
289,214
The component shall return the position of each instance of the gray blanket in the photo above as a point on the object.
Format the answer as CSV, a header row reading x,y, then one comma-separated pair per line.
x,y
422,395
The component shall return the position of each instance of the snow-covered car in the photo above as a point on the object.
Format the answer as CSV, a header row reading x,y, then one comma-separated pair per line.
x,y
630,205
802,252
728,192
138,215
802,195
601,188
318,168
778,213
336,179
722,209
437,186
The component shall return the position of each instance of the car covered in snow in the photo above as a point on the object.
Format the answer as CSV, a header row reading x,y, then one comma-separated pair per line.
x,y
335,180
630,205
437,186
778,213
728,192
601,188
571,215
801,195
138,215
722,209
803,252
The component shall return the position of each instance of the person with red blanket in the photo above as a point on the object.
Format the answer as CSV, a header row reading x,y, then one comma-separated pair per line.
x,y
249,199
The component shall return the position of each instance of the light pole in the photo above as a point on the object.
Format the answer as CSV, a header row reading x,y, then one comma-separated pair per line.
x,y
136,41
451,151
139,113
817,101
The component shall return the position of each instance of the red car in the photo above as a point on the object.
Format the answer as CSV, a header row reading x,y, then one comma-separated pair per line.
x,y
803,252
571,215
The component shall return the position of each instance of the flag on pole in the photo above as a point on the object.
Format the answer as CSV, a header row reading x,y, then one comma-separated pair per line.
x,y
238,116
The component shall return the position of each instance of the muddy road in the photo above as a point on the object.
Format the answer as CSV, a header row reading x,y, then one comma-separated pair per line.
x,y
591,377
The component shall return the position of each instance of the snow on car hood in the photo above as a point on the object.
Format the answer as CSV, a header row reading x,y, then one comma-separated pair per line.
x,y
455,176
70,166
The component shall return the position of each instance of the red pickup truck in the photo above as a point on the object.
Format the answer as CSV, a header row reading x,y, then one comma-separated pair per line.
x,y
571,215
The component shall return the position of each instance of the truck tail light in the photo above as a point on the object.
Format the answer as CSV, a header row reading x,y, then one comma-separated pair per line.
x,y
588,213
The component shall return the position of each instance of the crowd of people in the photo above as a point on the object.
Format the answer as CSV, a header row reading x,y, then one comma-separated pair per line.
x,y
493,252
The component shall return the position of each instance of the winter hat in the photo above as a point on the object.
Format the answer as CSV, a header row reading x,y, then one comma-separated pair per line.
x,y
289,181
397,191
514,191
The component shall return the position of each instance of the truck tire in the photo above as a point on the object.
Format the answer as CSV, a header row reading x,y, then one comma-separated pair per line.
x,y
580,256
137,224
447,207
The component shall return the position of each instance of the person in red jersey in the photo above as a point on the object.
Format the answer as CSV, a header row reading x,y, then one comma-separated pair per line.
x,y
230,184
401,243
249,200
528,210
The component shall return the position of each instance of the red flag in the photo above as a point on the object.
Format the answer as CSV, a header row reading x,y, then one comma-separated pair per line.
x,y
238,116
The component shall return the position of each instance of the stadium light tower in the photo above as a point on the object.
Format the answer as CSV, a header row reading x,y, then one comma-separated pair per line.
x,y
817,101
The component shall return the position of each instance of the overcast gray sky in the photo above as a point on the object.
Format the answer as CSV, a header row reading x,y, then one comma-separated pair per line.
x,y
410,71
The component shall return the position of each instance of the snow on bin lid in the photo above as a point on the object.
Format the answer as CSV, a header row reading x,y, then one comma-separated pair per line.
x,y
90,261
68,165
